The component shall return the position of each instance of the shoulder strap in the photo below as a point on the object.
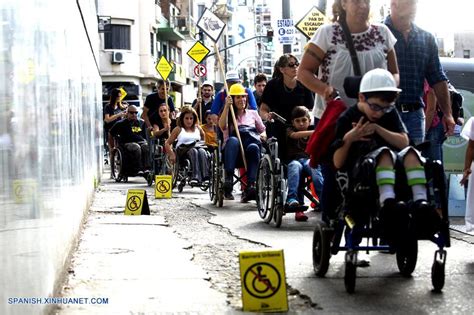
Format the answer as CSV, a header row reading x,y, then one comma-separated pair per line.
x,y
350,46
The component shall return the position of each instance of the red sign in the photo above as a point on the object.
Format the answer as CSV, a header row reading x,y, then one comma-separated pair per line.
x,y
200,70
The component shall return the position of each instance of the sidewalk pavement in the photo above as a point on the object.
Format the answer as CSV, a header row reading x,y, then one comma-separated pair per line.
x,y
136,262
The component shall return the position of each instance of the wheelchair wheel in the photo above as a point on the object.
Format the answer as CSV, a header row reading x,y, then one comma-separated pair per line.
x,y
407,255
214,177
350,273
117,163
437,270
265,189
278,215
321,249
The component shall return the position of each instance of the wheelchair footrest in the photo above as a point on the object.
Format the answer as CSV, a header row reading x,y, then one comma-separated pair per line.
x,y
293,209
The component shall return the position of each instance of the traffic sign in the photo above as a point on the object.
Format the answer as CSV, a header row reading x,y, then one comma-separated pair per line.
x,y
164,67
286,31
163,186
210,24
123,93
198,52
137,202
200,70
262,274
311,22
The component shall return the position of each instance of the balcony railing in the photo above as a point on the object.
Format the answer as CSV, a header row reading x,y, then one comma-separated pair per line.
x,y
185,25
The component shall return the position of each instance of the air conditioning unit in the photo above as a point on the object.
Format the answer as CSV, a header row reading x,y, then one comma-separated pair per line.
x,y
117,57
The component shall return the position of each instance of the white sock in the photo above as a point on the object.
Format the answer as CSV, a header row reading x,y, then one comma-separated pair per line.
x,y
419,192
385,192
417,181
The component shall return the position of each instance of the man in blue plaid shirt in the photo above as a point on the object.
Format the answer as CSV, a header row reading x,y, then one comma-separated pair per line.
x,y
417,56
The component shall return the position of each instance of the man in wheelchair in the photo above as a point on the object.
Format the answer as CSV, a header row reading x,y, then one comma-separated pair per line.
x,y
372,146
131,135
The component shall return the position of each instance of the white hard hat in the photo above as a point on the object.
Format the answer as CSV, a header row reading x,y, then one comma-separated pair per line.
x,y
378,80
232,75
207,82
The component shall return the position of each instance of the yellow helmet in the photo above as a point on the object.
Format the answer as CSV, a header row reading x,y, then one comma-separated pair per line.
x,y
237,89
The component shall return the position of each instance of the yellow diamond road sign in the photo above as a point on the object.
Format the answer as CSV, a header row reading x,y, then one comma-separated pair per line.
x,y
164,68
198,52
311,22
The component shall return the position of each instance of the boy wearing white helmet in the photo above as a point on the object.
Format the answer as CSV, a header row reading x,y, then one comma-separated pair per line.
x,y
372,146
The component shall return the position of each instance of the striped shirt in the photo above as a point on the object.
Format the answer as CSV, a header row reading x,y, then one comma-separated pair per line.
x,y
417,59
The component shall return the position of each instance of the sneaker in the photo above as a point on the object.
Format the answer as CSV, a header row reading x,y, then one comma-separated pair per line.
x,y
292,202
194,182
363,260
300,216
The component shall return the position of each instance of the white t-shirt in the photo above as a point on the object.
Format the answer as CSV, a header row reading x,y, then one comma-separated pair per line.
x,y
468,133
371,46
185,137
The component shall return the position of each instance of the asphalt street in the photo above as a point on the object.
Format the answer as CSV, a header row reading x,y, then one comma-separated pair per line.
x,y
191,234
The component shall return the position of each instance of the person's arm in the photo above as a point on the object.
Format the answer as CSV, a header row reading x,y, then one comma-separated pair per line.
x,y
468,159
225,113
109,118
312,58
430,109
392,65
300,134
201,132
145,117
169,144
444,101
264,111
252,101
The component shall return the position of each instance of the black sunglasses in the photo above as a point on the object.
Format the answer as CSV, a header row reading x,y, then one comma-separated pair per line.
x,y
133,113
378,108
291,65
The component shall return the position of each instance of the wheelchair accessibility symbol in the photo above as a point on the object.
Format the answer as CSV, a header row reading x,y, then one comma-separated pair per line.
x,y
134,203
163,186
262,280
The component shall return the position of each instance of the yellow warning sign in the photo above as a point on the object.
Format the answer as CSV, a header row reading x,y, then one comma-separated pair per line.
x,y
137,202
123,93
311,22
262,274
198,52
163,186
164,67
24,190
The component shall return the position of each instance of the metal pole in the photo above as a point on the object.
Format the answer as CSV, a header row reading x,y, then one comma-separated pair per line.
x,y
285,6
322,6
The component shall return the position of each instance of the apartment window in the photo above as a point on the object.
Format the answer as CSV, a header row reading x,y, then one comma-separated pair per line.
x,y
466,53
152,44
118,37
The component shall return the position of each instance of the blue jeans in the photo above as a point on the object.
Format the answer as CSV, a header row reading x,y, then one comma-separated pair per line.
x,y
232,153
436,138
299,167
415,123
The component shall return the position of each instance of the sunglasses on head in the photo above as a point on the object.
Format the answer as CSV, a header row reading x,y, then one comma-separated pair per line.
x,y
378,108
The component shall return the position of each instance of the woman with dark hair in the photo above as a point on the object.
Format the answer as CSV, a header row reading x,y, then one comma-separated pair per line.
x,y
162,123
327,55
252,133
187,134
113,112
283,92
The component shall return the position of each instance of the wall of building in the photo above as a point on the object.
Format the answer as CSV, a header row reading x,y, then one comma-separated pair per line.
x,y
50,141
464,44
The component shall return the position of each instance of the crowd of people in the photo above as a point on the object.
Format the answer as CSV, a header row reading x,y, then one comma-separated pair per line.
x,y
402,84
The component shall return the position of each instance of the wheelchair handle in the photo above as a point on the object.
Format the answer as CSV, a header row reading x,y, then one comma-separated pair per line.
x,y
278,117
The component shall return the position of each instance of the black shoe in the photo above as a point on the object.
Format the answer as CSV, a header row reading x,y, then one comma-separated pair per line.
x,y
250,193
228,191
427,218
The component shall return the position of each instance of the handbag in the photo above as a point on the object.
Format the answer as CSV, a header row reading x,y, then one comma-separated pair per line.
x,y
319,143
351,83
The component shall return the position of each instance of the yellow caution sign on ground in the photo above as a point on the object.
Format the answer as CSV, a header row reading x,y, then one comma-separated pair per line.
x,y
262,274
137,202
24,190
163,186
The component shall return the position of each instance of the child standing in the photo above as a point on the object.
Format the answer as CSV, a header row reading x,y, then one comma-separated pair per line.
x,y
298,167
209,128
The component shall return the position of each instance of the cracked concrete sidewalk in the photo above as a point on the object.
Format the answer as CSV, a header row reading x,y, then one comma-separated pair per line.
x,y
137,263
